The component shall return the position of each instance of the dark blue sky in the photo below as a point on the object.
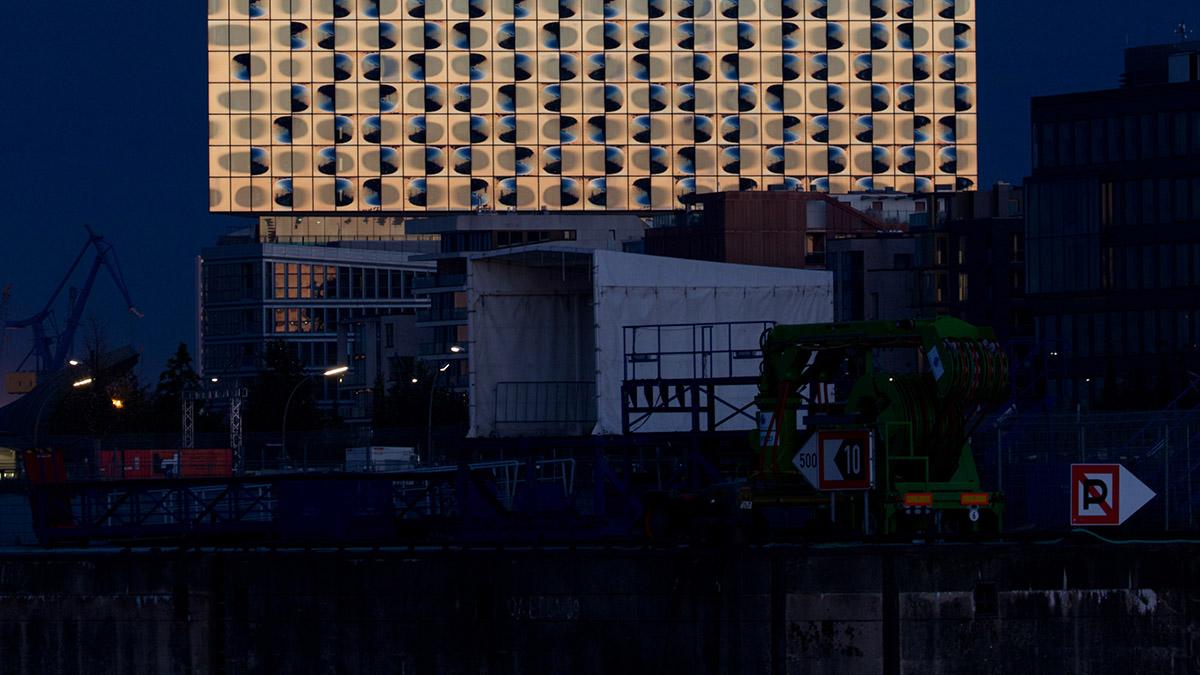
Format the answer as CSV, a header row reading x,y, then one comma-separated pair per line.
x,y
105,113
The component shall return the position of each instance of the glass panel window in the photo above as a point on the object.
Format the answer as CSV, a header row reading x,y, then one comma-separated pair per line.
x,y
1114,139
306,280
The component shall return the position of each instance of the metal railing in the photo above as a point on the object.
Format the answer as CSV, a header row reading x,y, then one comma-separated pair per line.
x,y
693,350
430,315
440,281
442,348
433,496
182,506
1028,458
427,492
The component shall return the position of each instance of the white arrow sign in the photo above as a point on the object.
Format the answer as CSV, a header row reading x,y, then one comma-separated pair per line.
x,y
1134,495
838,460
808,461
1105,494
847,460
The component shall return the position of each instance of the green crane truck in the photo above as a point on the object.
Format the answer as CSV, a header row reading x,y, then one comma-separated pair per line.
x,y
871,421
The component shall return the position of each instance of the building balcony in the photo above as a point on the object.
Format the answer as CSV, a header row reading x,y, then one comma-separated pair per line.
x,y
440,281
436,315
443,349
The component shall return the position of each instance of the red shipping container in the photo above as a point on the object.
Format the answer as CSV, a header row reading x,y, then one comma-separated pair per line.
x,y
185,463
44,467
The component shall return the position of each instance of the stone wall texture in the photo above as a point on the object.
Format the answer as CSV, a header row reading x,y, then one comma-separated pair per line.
x,y
906,609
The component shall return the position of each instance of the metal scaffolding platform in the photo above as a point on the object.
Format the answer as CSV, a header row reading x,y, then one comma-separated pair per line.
x,y
687,369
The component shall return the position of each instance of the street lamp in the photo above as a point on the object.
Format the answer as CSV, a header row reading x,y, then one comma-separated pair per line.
x,y
455,349
332,372
37,420
429,419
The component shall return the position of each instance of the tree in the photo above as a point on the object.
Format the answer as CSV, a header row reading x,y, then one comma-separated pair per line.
x,y
379,406
110,402
404,404
407,401
178,376
281,374
131,408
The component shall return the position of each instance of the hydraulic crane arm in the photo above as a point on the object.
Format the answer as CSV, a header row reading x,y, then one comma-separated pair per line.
x,y
962,357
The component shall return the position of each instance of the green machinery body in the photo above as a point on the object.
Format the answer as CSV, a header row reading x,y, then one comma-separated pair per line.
x,y
919,387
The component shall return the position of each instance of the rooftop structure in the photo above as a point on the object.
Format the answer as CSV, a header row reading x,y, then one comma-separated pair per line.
x,y
776,229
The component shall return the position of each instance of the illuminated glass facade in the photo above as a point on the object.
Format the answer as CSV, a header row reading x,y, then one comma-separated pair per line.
x,y
623,105
252,295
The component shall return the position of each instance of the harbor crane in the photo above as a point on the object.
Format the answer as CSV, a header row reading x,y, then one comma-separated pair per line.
x,y
52,348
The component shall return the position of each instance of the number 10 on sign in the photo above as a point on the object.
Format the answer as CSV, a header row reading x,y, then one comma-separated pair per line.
x,y
847,460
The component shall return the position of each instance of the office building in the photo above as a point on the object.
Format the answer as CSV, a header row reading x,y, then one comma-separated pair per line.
x,y
381,350
253,294
326,229
971,259
874,278
1113,212
403,106
962,255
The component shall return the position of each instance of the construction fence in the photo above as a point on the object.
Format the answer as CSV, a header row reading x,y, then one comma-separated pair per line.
x,y
1028,458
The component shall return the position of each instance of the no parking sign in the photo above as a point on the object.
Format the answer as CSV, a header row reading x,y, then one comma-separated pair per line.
x,y
1105,494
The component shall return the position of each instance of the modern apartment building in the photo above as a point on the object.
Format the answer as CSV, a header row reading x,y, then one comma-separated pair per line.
x,y
407,106
960,255
1112,250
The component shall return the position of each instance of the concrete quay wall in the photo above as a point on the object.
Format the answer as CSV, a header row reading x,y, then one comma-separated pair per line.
x,y
1001,608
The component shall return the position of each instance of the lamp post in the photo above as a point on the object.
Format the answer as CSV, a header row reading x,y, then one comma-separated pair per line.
x,y
429,419
332,372
37,420
454,349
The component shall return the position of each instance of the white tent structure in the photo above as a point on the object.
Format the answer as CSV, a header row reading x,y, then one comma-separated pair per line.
x,y
554,332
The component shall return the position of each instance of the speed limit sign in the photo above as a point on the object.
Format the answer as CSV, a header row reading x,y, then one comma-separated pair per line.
x,y
838,460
